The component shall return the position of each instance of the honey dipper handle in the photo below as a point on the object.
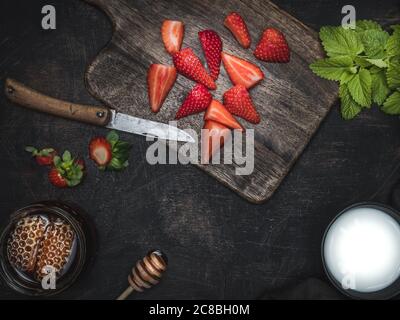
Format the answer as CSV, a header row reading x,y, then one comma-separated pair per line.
x,y
126,293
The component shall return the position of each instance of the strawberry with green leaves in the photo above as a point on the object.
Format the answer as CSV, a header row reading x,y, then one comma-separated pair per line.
x,y
66,171
43,157
109,152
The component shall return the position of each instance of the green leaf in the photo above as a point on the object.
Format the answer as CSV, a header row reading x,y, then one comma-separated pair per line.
x,y
392,104
380,89
338,41
378,63
360,88
396,27
31,149
362,62
374,42
112,136
66,156
346,77
57,161
349,108
364,25
393,75
393,45
332,68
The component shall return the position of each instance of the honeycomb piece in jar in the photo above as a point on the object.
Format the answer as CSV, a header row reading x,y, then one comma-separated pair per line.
x,y
23,242
55,249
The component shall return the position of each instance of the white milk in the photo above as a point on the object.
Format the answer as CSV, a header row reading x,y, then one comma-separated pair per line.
x,y
362,249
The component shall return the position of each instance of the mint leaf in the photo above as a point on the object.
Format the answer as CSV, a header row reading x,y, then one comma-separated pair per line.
x,y
338,41
378,63
396,27
346,77
332,68
393,75
362,62
364,25
393,44
392,104
380,89
374,42
349,108
360,88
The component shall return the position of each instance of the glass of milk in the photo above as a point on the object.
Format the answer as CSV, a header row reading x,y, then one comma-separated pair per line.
x,y
361,251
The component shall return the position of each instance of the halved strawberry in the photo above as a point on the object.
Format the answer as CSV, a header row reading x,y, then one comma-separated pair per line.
x,y
235,23
196,101
57,179
160,79
272,47
218,113
214,135
189,65
43,157
241,71
100,151
212,47
238,101
172,35
67,171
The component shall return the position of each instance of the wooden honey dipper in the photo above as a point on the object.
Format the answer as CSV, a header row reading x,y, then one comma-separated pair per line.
x,y
146,273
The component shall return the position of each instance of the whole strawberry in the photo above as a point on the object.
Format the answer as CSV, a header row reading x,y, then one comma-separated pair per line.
x,y
66,171
43,157
272,47
109,152
197,100
189,65
212,47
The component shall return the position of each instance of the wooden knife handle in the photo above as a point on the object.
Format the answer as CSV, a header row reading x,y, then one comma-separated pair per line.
x,y
29,98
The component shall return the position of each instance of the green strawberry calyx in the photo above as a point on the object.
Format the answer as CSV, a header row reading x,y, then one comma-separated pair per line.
x,y
69,168
120,152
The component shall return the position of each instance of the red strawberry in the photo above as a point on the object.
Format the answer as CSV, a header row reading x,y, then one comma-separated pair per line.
x,y
218,113
212,47
43,157
172,35
160,80
57,179
241,71
213,138
100,151
272,47
235,23
238,101
188,64
196,101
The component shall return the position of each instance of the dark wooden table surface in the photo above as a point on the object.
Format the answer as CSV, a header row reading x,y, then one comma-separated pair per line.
x,y
219,245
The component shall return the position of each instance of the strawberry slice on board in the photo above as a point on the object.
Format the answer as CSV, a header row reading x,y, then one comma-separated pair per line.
x,y
172,35
212,47
238,102
66,171
160,80
213,137
197,100
100,151
189,65
241,71
218,113
272,47
235,23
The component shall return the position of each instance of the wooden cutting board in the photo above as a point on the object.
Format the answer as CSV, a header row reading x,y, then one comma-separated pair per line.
x,y
292,101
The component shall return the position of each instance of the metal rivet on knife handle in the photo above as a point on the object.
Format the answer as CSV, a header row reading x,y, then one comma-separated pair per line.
x,y
146,273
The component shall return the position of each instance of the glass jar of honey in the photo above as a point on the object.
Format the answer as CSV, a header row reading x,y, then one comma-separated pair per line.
x,y
45,247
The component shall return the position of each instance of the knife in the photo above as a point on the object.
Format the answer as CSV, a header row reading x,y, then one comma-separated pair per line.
x,y
96,115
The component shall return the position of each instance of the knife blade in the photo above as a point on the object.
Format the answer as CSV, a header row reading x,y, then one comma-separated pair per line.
x,y
96,115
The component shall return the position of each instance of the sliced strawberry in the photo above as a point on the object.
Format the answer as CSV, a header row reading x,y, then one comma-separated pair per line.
x,y
272,47
241,71
189,65
172,35
43,157
238,101
160,79
57,179
196,101
218,113
212,47
100,151
235,23
213,138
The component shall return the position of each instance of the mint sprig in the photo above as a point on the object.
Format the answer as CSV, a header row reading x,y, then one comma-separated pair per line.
x,y
366,63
